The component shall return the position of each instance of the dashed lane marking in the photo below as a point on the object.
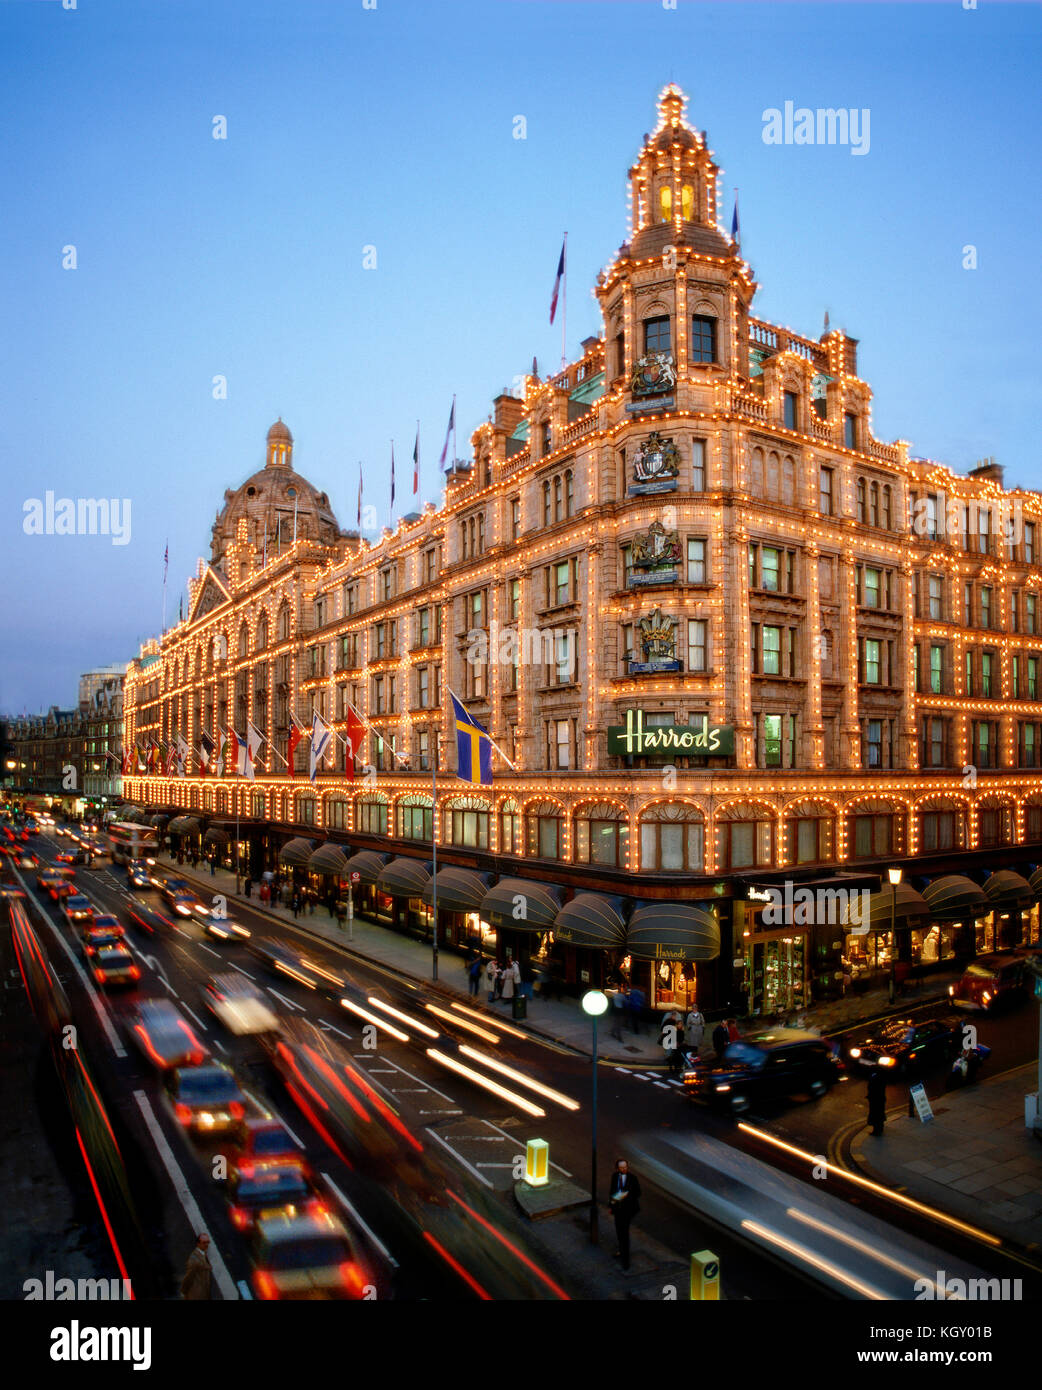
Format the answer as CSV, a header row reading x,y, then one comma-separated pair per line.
x,y
241,971
469,1167
289,1003
513,1140
198,1020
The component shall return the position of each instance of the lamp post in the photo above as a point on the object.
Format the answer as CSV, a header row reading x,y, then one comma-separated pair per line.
x,y
594,1002
894,876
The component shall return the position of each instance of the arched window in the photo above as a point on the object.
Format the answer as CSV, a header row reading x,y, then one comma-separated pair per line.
x,y
602,835
672,838
546,504
687,202
665,203
371,817
283,628
994,822
244,640
510,827
873,505
337,814
810,836
862,512
756,481
468,819
875,828
744,837
569,492
262,632
942,824
414,816
557,498
887,506
544,830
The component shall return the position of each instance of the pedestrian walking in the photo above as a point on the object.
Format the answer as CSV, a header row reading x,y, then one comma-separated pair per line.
x,y
509,979
474,972
198,1272
618,1011
296,906
694,1030
669,1037
720,1040
877,1099
331,904
213,867
733,1034
309,894
635,1002
624,1202
491,979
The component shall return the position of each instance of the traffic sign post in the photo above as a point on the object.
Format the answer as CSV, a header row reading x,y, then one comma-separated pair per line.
x,y
705,1277
355,878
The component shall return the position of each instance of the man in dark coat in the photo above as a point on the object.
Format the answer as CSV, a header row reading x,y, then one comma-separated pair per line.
x,y
720,1040
624,1201
198,1273
877,1099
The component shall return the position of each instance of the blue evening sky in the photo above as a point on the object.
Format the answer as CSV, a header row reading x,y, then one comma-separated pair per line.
x,y
393,127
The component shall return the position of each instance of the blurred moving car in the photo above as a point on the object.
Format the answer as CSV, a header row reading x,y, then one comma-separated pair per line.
x,y
994,981
163,1035
102,922
138,874
77,908
259,1191
206,1099
149,919
772,1064
283,959
240,1005
220,926
307,1255
184,902
907,1044
95,940
170,887
114,965
68,856
262,1138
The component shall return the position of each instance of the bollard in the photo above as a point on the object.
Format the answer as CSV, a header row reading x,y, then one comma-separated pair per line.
x,y
537,1163
705,1277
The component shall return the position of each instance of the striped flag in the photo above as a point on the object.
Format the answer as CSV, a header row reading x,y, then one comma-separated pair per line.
x,y
448,435
736,227
473,747
557,284
321,737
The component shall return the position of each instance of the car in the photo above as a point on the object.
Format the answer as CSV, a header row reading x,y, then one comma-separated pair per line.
x,y
27,860
766,1065
95,941
908,1044
206,1099
77,908
67,856
282,959
184,902
8,892
170,887
991,982
262,1138
46,874
240,1005
257,1191
100,927
156,877
165,1037
148,919
306,1255
220,926
114,965
138,874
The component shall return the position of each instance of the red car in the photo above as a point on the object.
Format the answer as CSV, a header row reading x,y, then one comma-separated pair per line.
x,y
993,981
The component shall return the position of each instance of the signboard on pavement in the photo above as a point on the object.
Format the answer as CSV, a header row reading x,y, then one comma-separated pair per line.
x,y
921,1102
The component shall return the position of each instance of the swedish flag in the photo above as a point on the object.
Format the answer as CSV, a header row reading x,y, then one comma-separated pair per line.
x,y
473,747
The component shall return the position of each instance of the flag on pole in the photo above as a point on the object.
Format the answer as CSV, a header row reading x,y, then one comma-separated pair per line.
x,y
171,761
392,475
448,435
416,461
354,738
321,737
296,733
359,495
254,739
183,753
205,754
736,228
222,739
166,561
473,747
557,284
238,754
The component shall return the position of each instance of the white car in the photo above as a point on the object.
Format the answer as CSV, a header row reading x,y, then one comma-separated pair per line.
x,y
222,927
240,1005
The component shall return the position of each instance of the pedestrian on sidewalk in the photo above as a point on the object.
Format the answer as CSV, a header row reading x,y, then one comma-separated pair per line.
x,y
877,1099
694,1030
331,904
264,894
296,906
198,1271
195,858
618,1011
491,978
624,1201
311,895
670,1035
474,972
248,888
213,867
509,979
635,1001
720,1040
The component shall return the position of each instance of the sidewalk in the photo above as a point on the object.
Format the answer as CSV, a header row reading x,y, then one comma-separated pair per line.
x,y
975,1160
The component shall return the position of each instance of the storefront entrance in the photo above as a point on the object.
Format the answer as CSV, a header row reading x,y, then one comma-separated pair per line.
x,y
779,973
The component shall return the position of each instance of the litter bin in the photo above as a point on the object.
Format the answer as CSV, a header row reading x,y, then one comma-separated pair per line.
x,y
520,1004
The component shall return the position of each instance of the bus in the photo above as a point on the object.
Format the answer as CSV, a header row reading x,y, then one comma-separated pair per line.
x,y
128,841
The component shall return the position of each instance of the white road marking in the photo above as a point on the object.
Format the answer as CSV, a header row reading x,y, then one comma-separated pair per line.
x,y
288,1002
241,971
191,1208
355,1216
469,1167
493,1165
244,1290
218,1044
513,1140
441,1112
198,1020
426,1086
332,1027
661,1085
203,947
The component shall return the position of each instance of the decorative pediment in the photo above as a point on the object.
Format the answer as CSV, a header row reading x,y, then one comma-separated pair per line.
x,y
212,592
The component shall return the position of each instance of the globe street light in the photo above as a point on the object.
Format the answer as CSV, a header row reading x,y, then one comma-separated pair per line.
x,y
894,876
594,1002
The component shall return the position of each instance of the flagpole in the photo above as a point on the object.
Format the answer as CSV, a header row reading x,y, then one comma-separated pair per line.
x,y
166,565
392,484
455,446
564,305
434,848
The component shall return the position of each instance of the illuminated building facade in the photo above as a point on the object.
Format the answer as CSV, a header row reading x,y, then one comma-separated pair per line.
x,y
725,636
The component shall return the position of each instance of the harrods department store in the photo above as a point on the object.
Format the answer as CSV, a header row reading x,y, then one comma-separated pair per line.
x,y
726,636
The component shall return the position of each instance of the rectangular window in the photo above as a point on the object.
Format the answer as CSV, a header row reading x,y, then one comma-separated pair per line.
x,y
696,562
789,403
967,604
656,335
514,599
771,665
985,674
969,673
698,465
1014,669
936,596
1030,612
985,607
423,687
1028,746
937,670
425,627
515,518
871,661
772,740
770,568
703,339
872,584
697,640
1029,542
1032,677
430,559
850,430
825,493
874,743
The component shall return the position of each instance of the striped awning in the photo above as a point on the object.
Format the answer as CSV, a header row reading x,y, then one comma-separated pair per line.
x,y
594,920
673,931
517,904
184,825
404,877
459,890
367,864
955,897
1008,889
215,836
328,859
296,853
906,904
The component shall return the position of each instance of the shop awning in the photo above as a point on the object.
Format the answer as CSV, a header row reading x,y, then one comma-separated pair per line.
x,y
459,890
296,853
1008,889
517,904
215,836
673,931
367,864
328,859
404,878
594,920
1035,882
907,905
955,897
184,825
158,820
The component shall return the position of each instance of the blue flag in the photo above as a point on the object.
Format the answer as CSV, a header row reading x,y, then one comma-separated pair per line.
x,y
473,747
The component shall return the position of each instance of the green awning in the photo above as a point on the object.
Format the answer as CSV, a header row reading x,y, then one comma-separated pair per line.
x,y
1008,889
159,819
183,825
908,906
296,853
593,920
367,864
955,897
328,859
404,878
459,890
215,837
517,904
673,931
1035,882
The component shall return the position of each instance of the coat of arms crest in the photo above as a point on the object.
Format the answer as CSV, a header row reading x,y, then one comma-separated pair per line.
x,y
657,460
658,636
657,547
653,374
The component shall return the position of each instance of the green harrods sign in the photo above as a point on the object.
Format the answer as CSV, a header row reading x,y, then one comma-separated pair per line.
x,y
701,739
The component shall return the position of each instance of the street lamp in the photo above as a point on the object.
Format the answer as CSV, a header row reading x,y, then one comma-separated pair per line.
x,y
894,875
594,1002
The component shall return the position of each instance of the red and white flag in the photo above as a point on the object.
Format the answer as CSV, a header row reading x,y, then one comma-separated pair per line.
x,y
557,284
254,739
354,738
296,733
